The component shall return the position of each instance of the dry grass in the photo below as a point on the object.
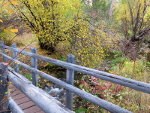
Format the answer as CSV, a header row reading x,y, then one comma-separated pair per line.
x,y
137,102
25,39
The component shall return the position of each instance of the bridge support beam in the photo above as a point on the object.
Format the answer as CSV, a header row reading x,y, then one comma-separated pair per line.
x,y
3,50
70,80
15,56
4,89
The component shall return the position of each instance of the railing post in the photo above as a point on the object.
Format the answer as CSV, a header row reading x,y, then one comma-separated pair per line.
x,y
70,80
34,65
3,89
3,50
15,56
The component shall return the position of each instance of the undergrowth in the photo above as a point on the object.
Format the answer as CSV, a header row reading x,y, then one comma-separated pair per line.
x,y
124,97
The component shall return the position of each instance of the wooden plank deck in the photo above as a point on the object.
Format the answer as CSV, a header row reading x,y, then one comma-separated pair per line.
x,y
23,101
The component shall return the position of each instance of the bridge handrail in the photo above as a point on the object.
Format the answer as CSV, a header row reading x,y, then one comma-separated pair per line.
x,y
137,85
46,102
100,102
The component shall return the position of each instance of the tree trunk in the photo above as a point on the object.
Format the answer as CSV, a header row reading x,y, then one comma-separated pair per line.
x,y
47,45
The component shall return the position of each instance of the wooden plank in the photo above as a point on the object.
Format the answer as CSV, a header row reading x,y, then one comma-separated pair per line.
x,y
19,96
26,105
15,93
12,90
11,86
33,109
22,100
40,112
46,102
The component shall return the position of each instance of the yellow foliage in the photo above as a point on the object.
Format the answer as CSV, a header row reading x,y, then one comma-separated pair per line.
x,y
5,30
14,2
11,11
5,4
56,21
1,21
11,30
14,30
7,36
133,16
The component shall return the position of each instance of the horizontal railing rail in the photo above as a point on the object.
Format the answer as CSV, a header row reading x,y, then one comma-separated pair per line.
x,y
127,82
137,85
14,106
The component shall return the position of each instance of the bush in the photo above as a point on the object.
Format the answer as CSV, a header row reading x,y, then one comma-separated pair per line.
x,y
124,97
132,69
7,36
137,70
28,76
102,89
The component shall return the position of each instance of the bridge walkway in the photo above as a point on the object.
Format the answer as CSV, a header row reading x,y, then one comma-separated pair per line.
x,y
23,101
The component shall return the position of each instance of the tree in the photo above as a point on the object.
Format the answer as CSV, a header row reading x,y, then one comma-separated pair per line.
x,y
7,17
53,26
133,17
111,9
47,21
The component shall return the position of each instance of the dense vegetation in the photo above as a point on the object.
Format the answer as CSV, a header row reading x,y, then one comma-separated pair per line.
x,y
108,35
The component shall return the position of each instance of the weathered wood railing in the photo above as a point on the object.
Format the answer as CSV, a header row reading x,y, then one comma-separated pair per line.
x,y
68,85
46,102
3,89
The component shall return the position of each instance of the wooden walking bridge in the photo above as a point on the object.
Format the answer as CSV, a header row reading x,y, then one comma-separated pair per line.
x,y
19,95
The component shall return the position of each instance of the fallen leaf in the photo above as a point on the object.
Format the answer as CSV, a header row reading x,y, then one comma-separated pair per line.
x,y
14,2
14,30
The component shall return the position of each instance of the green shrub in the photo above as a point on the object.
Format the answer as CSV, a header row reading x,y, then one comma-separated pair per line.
x,y
148,64
7,37
137,70
131,69
28,76
63,58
